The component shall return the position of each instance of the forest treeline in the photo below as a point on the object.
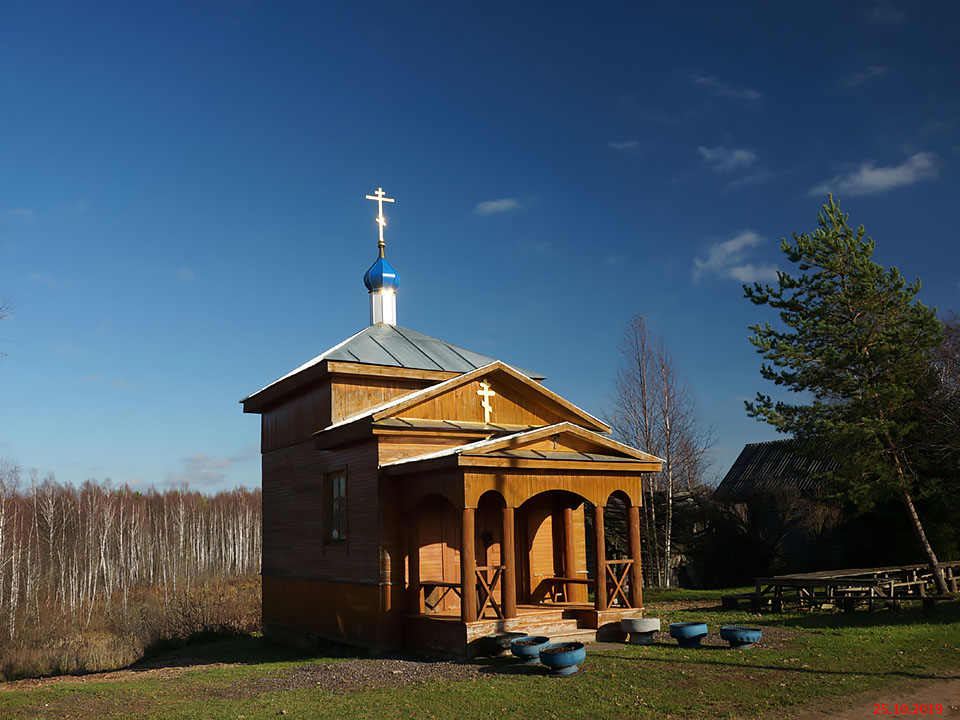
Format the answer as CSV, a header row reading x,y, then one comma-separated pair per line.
x,y
93,576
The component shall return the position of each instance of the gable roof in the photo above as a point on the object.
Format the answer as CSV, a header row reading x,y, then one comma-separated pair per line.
x,y
776,465
393,408
394,346
512,446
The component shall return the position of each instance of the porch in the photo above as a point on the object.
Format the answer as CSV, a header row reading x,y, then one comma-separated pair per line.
x,y
475,573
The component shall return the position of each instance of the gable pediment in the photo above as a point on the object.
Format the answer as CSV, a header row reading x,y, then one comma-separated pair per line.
x,y
495,395
561,440
560,446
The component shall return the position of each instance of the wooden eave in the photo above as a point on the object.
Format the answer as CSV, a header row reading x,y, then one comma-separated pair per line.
x,y
365,427
259,400
568,428
507,452
584,418
480,461
343,434
339,367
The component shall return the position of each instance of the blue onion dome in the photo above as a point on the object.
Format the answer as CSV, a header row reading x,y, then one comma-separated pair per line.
x,y
381,275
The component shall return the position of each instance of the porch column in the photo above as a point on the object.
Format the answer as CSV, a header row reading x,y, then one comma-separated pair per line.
x,y
636,569
413,563
468,566
599,560
509,561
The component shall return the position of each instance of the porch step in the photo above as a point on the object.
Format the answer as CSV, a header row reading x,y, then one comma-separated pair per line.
x,y
584,635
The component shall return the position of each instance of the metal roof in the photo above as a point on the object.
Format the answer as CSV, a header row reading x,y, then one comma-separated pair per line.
x,y
395,346
776,465
401,347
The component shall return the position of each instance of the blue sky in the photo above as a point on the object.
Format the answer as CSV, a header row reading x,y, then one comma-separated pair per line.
x,y
182,216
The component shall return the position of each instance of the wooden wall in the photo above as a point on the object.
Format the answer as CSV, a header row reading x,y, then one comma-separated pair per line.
x,y
294,511
514,404
396,447
294,418
352,394
438,532
341,611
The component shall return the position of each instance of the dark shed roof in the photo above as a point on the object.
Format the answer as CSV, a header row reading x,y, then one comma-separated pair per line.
x,y
776,465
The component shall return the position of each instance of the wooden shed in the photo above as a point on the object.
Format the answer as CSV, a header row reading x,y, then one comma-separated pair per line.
x,y
420,495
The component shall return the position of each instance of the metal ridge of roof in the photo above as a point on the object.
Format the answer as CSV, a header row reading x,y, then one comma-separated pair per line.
x,y
395,346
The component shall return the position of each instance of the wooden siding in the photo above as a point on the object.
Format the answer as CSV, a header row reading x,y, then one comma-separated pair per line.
x,y
540,554
514,404
438,533
517,486
293,511
352,394
398,447
294,418
341,611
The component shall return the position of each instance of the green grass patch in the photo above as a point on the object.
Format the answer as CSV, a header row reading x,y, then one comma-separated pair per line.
x,y
805,659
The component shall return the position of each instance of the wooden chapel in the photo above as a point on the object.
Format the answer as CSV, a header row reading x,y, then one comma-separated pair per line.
x,y
419,495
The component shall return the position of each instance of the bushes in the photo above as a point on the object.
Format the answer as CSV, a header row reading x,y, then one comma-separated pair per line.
x,y
117,636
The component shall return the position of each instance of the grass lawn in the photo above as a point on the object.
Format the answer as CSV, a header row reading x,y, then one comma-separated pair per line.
x,y
805,660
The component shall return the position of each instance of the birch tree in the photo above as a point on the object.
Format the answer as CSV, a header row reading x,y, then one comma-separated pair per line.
x,y
654,411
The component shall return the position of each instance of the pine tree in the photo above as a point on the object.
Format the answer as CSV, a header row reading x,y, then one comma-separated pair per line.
x,y
857,343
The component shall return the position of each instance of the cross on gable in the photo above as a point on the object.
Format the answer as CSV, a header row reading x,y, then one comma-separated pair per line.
x,y
486,393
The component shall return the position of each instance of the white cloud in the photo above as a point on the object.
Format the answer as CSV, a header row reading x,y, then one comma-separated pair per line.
x,y
118,383
859,78
24,214
869,179
71,351
48,280
496,207
201,469
727,259
751,273
626,146
761,175
726,159
186,274
721,89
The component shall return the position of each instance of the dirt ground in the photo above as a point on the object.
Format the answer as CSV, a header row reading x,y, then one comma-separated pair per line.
x,y
943,692
343,676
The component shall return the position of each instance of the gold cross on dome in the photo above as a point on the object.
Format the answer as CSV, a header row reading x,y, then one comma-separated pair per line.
x,y
380,197
486,393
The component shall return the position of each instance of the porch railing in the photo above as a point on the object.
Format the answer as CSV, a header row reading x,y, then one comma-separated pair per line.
x,y
487,583
617,572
